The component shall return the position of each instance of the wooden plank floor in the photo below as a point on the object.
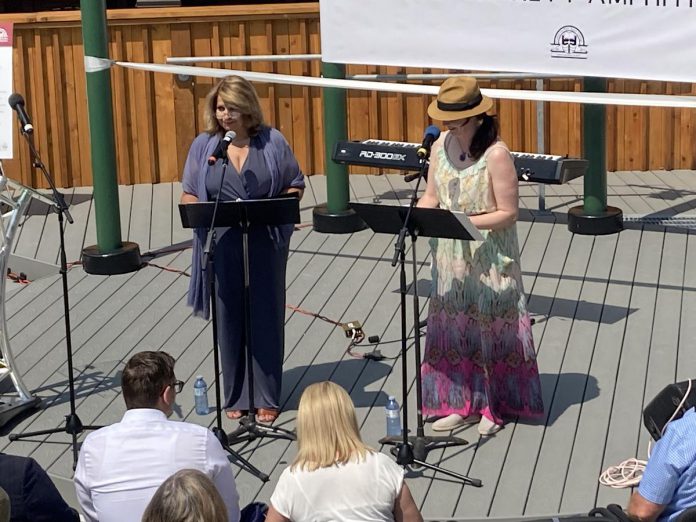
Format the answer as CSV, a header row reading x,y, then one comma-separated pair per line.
x,y
612,328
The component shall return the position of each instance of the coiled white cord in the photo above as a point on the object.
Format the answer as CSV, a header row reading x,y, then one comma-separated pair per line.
x,y
630,471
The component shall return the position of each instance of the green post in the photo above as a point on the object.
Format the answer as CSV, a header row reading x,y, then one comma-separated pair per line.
x,y
335,216
594,217
595,150
335,129
110,255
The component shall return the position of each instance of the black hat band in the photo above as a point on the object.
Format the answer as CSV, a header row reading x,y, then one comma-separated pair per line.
x,y
465,106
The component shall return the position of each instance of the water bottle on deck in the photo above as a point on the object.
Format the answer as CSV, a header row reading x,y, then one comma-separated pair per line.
x,y
393,417
200,395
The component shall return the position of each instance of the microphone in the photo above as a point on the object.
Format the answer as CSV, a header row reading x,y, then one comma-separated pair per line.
x,y
221,151
432,133
17,103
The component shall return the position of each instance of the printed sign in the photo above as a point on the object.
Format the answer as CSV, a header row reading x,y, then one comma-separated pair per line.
x,y
6,116
641,39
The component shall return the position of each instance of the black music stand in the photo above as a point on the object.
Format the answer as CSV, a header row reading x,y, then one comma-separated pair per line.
x,y
429,222
284,209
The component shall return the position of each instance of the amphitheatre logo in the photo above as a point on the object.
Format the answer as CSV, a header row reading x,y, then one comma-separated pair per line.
x,y
569,42
4,37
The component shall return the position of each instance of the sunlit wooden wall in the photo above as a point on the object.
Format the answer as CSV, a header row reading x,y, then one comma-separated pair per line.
x,y
156,115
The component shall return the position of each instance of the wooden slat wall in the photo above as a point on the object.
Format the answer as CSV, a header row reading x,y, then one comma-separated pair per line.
x,y
156,116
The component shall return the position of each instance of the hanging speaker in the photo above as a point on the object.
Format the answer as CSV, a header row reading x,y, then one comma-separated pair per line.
x,y
660,409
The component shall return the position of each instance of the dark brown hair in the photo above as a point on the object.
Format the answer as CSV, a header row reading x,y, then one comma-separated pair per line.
x,y
486,135
145,377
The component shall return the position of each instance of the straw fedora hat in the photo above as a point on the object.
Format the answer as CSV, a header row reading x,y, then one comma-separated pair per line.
x,y
459,97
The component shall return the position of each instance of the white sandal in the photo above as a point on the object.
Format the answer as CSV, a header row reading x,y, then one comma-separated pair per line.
x,y
454,421
487,427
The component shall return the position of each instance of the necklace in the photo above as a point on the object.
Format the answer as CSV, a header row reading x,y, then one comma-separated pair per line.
x,y
465,156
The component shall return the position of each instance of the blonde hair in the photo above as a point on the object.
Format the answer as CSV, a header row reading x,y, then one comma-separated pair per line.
x,y
237,92
327,428
187,496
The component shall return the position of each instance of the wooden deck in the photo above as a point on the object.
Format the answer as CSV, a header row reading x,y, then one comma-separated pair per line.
x,y
613,326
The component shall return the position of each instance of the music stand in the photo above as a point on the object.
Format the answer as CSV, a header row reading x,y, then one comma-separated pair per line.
x,y
428,222
284,209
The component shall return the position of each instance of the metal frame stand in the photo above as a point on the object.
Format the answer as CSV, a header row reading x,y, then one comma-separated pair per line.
x,y
12,405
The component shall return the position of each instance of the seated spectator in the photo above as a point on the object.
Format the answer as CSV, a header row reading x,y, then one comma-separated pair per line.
x,y
121,466
186,496
668,486
335,476
33,495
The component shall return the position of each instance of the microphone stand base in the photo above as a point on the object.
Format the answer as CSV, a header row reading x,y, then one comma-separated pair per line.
x,y
120,261
249,430
424,444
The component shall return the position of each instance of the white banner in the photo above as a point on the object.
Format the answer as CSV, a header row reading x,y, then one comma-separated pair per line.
x,y
5,90
642,39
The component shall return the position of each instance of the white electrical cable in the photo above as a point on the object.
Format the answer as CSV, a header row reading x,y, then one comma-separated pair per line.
x,y
600,98
630,471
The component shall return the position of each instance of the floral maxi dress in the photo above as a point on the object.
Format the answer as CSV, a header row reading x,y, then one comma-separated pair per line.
x,y
479,354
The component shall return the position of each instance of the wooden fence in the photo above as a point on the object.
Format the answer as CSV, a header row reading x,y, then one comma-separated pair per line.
x,y
157,115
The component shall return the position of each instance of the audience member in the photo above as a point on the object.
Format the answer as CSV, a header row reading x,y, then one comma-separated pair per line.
x,y
122,465
335,476
186,496
32,495
668,486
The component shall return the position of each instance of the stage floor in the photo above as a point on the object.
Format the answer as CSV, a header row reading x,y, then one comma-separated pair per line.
x,y
613,327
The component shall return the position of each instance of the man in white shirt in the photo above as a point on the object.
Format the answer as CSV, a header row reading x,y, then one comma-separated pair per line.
x,y
122,465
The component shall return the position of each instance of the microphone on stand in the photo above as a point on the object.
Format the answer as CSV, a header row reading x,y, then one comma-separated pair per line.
x,y
221,151
432,133
17,103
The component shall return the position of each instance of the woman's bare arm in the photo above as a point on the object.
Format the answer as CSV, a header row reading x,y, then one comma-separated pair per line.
x,y
505,191
405,509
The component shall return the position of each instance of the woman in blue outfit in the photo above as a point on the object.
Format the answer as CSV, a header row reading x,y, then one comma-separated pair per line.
x,y
260,165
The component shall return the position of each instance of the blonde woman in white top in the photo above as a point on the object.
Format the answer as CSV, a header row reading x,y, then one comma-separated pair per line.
x,y
335,476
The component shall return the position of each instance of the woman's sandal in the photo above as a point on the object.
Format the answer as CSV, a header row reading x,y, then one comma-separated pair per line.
x,y
236,414
267,415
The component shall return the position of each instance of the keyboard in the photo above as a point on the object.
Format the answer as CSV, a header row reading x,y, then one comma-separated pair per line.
x,y
534,168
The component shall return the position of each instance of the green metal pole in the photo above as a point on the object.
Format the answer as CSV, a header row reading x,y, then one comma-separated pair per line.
x,y
101,126
335,129
595,217
594,150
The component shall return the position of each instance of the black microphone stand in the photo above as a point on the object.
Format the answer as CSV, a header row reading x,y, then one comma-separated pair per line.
x,y
412,450
209,265
73,424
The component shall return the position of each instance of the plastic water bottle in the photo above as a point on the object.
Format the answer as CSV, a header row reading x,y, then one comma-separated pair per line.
x,y
200,395
393,417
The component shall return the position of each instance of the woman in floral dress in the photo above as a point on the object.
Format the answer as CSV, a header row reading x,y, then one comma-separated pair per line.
x,y
479,363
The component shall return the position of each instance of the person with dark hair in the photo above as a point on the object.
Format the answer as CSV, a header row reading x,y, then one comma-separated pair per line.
x,y
32,495
260,164
121,466
479,361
